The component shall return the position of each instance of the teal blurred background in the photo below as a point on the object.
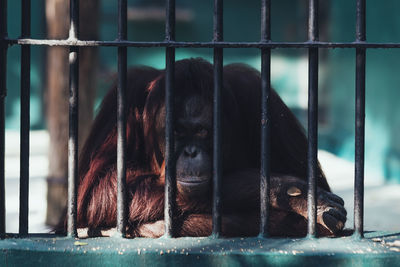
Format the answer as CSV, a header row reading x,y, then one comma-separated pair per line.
x,y
289,66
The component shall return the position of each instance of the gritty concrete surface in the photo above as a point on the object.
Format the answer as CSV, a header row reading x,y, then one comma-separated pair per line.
x,y
382,208
377,249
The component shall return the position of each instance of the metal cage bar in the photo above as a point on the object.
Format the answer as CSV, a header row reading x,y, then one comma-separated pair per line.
x,y
265,117
3,93
265,44
170,169
360,122
73,119
312,161
272,45
25,118
217,122
121,120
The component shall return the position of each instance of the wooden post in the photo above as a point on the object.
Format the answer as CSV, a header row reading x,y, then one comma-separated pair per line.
x,y
56,97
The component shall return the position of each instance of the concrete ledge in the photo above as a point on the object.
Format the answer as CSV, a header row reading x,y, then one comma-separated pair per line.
x,y
377,249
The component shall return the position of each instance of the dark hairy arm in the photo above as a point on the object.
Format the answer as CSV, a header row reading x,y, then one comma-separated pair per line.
x,y
240,215
288,195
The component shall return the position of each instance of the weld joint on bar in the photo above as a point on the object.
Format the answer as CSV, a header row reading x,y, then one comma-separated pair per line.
x,y
72,40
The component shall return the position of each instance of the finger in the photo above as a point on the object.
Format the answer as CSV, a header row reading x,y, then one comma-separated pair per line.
x,y
331,222
338,207
335,205
336,198
337,214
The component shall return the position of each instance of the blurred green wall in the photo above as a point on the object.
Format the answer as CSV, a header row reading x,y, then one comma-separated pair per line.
x,y
37,67
382,87
289,66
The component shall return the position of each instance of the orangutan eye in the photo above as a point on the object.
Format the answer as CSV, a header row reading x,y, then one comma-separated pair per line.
x,y
179,132
202,133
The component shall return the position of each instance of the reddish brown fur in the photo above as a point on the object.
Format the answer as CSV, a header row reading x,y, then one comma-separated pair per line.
x,y
145,177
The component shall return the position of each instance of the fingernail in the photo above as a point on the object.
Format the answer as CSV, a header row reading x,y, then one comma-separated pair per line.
x,y
294,191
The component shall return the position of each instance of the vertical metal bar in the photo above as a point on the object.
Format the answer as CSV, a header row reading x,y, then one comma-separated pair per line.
x,y
25,118
218,85
121,120
312,160
3,93
265,117
360,123
73,118
170,169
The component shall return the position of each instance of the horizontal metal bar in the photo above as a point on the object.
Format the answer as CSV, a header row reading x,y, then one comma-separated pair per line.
x,y
307,44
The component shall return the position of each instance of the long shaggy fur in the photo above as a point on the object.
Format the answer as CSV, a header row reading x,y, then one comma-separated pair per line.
x,y
145,177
